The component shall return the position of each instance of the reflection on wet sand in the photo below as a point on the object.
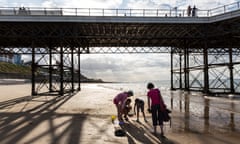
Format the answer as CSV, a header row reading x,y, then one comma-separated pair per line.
x,y
204,114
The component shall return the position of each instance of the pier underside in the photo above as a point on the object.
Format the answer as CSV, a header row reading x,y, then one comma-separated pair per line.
x,y
204,56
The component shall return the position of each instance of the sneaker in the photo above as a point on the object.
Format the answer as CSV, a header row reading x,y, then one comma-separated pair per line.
x,y
121,123
121,119
162,135
154,133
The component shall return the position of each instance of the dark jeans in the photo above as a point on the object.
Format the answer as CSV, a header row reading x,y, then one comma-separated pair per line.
x,y
157,115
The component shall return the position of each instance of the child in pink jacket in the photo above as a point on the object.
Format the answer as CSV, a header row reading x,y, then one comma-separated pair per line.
x,y
119,102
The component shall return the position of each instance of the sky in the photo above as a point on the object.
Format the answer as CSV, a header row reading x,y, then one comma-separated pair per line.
x,y
122,67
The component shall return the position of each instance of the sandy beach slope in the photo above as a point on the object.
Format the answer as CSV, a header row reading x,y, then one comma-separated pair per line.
x,y
82,118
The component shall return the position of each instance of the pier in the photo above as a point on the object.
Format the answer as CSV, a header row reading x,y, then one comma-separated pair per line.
x,y
204,49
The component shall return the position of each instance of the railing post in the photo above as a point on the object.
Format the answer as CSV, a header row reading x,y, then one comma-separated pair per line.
x,y
45,11
130,12
76,11
61,10
89,12
157,12
143,12
224,9
103,12
116,12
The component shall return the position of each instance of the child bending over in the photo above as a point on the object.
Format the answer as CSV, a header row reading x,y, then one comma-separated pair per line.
x,y
126,108
139,104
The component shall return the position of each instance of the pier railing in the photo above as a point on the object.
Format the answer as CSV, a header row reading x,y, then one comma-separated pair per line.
x,y
173,12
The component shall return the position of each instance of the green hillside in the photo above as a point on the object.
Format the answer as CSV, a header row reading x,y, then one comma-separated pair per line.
x,y
12,68
17,71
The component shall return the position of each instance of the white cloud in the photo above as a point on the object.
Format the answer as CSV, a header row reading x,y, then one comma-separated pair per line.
x,y
181,4
126,67
139,4
84,3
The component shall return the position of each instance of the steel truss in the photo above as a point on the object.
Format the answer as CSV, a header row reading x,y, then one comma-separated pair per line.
x,y
54,69
213,70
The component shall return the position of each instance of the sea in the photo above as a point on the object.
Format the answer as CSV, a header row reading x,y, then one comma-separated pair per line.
x,y
139,88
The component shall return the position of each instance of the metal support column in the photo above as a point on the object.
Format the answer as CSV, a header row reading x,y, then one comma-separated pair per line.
x,y
231,70
171,69
180,72
72,69
186,66
205,69
50,69
61,72
79,72
33,71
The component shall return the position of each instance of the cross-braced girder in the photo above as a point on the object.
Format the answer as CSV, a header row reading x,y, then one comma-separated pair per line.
x,y
221,63
54,71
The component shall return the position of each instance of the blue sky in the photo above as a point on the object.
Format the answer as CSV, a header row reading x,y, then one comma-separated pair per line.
x,y
127,67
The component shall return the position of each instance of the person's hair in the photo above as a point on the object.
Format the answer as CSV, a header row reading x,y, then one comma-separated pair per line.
x,y
150,86
129,100
136,100
130,93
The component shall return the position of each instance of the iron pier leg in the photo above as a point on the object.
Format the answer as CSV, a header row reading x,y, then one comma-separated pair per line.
x,y
33,72
79,72
231,70
186,66
171,68
180,73
50,69
72,69
205,59
61,71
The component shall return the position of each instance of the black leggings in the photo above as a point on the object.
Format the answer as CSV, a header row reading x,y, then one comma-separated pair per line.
x,y
157,115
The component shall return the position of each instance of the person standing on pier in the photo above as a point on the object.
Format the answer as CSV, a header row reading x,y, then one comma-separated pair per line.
x,y
120,100
189,9
157,107
194,11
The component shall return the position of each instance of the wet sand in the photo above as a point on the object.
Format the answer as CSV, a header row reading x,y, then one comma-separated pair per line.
x,y
85,118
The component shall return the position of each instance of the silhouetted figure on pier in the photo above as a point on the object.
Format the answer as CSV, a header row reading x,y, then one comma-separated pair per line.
x,y
189,9
194,9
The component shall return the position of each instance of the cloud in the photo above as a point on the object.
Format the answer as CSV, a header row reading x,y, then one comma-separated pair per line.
x,y
137,4
63,3
126,67
83,3
181,4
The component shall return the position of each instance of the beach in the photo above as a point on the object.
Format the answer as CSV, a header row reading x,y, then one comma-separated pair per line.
x,y
85,117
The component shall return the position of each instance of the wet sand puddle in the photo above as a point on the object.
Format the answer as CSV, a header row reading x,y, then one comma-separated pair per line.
x,y
204,114
193,111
